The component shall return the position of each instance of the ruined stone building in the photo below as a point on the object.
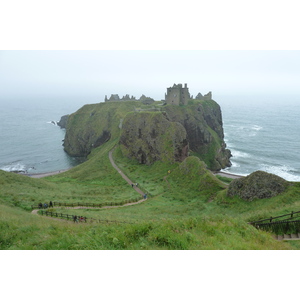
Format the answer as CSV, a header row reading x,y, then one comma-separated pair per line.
x,y
113,97
208,96
178,95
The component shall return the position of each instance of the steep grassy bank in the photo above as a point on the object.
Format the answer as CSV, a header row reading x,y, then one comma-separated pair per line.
x,y
20,230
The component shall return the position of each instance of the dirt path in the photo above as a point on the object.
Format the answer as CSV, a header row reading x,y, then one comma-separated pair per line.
x,y
35,211
122,174
41,175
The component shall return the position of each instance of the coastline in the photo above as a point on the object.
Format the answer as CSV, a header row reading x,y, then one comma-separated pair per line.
x,y
228,175
46,174
41,175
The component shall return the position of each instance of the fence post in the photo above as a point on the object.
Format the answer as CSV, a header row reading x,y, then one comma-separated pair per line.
x,y
292,214
271,219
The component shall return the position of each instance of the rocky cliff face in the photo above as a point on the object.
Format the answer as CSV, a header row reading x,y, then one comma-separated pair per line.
x,y
93,125
203,124
63,121
150,136
169,134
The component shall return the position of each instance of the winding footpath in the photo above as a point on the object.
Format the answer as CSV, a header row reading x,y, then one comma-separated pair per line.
x,y
35,211
122,174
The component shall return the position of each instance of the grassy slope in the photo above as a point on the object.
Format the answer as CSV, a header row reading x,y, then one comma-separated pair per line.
x,y
20,230
187,209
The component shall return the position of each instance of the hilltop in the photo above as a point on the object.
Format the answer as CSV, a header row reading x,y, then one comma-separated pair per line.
x,y
149,133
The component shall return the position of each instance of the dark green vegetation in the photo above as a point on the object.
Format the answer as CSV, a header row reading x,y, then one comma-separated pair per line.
x,y
258,185
187,207
150,133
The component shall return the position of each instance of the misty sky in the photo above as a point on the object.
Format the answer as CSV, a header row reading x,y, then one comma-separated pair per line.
x,y
94,74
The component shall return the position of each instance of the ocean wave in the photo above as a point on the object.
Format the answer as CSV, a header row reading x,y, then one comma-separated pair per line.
x,y
14,167
233,165
239,154
53,123
256,127
283,171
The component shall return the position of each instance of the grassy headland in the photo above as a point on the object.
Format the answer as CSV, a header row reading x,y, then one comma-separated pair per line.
x,y
187,208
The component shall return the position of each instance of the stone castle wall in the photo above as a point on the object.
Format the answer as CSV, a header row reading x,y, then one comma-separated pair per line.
x,y
176,95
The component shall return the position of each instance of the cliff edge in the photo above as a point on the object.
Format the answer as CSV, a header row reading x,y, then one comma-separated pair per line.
x,y
149,133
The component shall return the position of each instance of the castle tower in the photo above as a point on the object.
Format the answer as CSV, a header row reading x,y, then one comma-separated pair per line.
x,y
177,95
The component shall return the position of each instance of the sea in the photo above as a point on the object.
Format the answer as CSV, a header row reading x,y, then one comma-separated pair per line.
x,y
262,135
30,140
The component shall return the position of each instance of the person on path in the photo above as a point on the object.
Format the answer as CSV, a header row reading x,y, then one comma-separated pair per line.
x,y
132,184
40,205
45,205
50,204
75,219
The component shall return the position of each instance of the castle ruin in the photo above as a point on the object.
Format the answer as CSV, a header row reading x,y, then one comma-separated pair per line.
x,y
178,95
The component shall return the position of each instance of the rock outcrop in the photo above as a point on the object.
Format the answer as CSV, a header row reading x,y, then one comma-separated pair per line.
x,y
203,123
150,136
168,133
63,121
257,185
93,125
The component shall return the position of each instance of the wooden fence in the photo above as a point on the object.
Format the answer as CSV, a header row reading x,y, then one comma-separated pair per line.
x,y
54,203
76,218
284,224
280,227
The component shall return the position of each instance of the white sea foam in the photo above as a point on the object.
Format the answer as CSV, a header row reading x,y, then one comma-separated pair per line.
x,y
283,171
52,122
239,154
256,127
234,165
14,167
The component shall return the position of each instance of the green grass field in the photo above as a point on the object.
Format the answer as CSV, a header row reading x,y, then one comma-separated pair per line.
x,y
187,208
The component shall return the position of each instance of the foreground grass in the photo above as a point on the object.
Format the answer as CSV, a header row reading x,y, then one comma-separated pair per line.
x,y
187,209
20,230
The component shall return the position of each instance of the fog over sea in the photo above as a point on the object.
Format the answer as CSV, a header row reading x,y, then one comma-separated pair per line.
x,y
262,135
